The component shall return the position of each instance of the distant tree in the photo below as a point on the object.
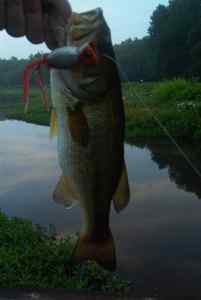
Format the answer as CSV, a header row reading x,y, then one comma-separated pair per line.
x,y
171,49
12,71
137,59
175,31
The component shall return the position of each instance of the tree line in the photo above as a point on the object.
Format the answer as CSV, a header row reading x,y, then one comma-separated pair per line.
x,y
172,48
12,69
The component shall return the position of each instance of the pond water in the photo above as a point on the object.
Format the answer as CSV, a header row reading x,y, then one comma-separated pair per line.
x,y
158,236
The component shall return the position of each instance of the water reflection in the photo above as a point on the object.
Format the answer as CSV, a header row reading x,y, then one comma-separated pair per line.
x,y
29,173
157,236
163,250
166,155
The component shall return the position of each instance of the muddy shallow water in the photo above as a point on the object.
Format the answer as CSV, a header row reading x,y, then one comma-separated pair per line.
x,y
158,236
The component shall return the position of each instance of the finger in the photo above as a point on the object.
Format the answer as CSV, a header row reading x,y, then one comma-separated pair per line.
x,y
15,23
60,7
33,21
2,14
55,16
57,26
49,37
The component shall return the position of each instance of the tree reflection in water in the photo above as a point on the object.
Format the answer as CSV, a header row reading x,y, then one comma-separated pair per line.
x,y
166,155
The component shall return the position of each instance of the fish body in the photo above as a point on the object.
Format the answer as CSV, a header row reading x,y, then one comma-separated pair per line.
x,y
90,117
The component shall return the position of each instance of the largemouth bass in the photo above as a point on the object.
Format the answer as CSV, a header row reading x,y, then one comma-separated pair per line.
x,y
88,113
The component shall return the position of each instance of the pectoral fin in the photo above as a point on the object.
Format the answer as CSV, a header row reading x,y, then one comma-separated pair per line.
x,y
53,124
65,192
78,126
122,195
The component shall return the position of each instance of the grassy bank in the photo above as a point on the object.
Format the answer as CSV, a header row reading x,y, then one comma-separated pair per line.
x,y
33,258
12,107
176,104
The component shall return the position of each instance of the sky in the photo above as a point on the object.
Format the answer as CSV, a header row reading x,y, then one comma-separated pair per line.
x,y
127,19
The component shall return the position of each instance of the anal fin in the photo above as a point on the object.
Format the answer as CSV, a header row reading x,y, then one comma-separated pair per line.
x,y
65,192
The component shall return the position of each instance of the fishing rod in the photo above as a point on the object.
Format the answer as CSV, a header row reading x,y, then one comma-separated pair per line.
x,y
161,125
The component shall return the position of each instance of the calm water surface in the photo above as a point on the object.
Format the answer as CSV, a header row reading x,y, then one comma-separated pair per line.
x,y
158,236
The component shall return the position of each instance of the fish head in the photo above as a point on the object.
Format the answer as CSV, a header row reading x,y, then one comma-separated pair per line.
x,y
84,30
85,81
89,28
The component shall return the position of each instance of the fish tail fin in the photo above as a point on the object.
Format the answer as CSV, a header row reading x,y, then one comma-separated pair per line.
x,y
100,251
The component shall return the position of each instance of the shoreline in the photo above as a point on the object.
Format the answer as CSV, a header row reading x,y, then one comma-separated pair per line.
x,y
161,102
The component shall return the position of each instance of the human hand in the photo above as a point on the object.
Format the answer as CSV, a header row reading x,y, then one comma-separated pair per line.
x,y
38,20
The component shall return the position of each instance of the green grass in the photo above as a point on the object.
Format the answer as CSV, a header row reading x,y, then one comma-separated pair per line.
x,y
11,106
33,258
177,91
176,104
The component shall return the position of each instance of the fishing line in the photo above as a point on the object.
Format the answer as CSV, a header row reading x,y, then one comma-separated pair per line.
x,y
165,130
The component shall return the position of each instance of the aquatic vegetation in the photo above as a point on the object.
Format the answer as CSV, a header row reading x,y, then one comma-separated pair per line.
x,y
31,257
